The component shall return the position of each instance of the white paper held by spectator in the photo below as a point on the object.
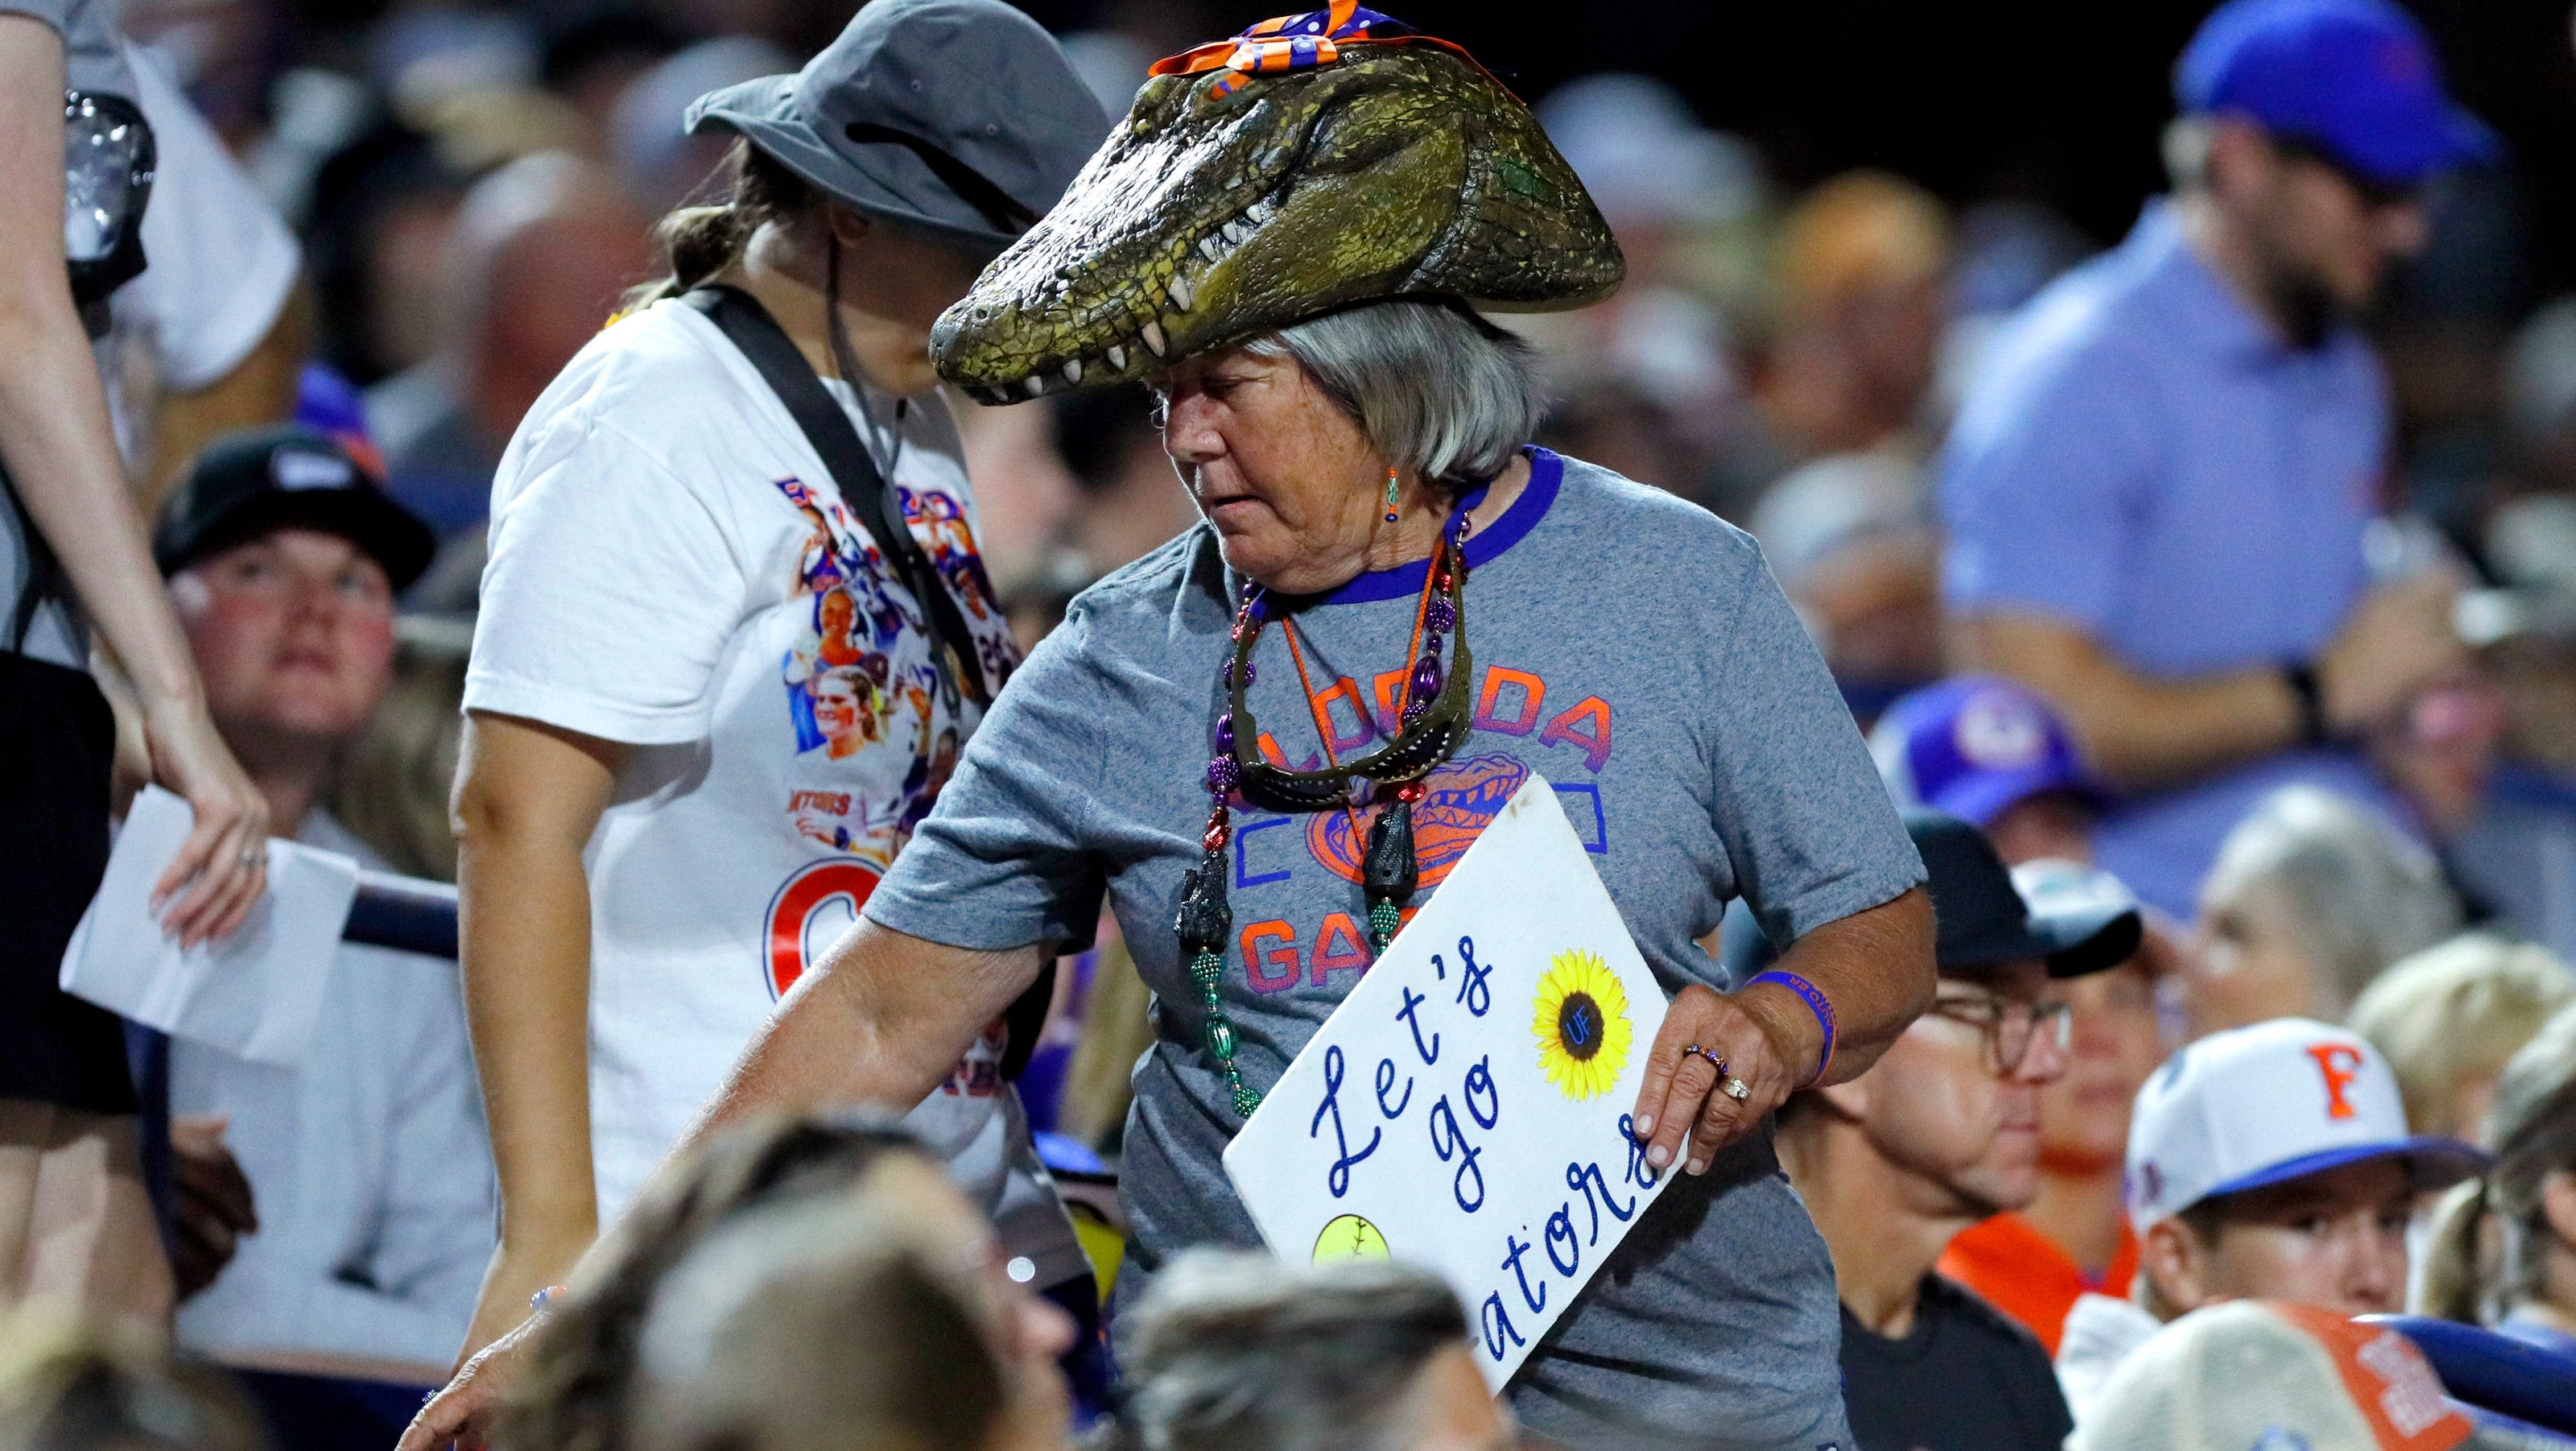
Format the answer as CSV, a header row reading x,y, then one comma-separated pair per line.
x,y
254,994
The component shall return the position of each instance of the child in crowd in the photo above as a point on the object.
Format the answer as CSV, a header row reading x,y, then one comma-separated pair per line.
x,y
2504,1250
2448,1019
2267,1162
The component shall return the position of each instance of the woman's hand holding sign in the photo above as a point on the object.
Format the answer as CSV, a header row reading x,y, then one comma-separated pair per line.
x,y
1876,969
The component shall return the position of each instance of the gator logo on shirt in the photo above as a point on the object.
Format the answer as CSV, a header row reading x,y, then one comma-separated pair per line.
x,y
839,886
1464,797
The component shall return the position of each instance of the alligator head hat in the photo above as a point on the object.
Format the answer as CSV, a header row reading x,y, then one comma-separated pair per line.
x,y
1313,162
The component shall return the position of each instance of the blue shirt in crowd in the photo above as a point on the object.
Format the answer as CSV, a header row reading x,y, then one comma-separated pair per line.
x,y
2146,460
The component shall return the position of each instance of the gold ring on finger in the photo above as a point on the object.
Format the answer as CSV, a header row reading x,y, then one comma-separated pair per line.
x,y
1735,1088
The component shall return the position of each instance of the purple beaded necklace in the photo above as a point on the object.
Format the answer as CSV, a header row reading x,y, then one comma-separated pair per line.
x,y
1432,726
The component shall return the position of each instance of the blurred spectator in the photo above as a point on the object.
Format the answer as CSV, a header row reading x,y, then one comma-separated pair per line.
x,y
582,1381
205,341
1851,540
2156,494
367,1165
1659,350
2504,1246
383,217
68,1386
1132,502
1239,1352
659,161
2448,1019
2310,899
1861,274
2272,1377
542,249
2270,1162
1985,749
2006,252
391,787
2540,395
591,52
2074,1236
1941,1134
879,1319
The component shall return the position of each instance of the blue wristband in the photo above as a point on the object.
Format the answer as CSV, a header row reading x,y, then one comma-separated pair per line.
x,y
1817,1003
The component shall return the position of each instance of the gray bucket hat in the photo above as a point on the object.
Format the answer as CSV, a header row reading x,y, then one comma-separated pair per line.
x,y
959,117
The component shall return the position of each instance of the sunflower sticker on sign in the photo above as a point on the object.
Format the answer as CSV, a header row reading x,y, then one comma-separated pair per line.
x,y
1467,1106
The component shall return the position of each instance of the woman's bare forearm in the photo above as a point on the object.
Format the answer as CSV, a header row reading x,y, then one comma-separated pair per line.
x,y
55,438
880,1020
1877,969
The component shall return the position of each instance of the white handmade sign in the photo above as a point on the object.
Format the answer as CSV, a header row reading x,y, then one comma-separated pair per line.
x,y
1467,1107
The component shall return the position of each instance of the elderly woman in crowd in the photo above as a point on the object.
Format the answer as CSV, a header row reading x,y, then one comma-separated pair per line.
x,y
1237,1352
1354,437
2504,1246
2310,899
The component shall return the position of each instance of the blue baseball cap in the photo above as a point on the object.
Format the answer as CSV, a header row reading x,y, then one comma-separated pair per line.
x,y
2355,78
1974,746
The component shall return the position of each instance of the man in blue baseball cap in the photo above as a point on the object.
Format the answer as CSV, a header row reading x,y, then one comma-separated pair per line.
x,y
2155,494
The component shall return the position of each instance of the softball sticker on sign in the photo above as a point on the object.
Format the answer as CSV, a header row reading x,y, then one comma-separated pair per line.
x,y
1467,1106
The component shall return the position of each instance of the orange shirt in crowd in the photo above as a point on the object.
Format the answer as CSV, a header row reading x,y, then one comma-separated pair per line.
x,y
2023,1273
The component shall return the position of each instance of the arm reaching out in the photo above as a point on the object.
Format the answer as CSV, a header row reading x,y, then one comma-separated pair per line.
x,y
880,1020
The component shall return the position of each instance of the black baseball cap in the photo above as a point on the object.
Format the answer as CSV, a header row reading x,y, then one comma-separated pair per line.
x,y
1985,922
959,117
248,483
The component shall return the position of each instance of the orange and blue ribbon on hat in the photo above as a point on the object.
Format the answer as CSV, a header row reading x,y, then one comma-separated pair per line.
x,y
1285,43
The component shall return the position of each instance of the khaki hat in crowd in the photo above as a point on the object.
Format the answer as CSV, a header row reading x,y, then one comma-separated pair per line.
x,y
2259,1376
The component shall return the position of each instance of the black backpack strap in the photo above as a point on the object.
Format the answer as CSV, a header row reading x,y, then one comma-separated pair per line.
x,y
742,319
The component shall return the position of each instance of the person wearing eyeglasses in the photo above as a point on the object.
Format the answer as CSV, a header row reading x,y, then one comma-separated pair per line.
x,y
2156,493
2269,1162
1941,1134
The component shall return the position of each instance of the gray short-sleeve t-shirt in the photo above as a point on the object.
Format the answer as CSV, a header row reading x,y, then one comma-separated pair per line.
x,y
1628,646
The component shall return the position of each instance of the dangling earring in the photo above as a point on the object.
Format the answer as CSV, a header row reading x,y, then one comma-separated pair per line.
x,y
1390,495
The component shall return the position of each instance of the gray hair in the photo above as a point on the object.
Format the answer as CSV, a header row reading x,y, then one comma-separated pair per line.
x,y
2363,896
1239,1352
1438,390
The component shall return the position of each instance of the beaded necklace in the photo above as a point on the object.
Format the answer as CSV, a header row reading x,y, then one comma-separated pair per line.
x,y
1431,727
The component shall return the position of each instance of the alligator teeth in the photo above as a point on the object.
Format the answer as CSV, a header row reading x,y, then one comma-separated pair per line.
x,y
1238,229
1035,385
1153,338
1181,292
1117,358
1073,370
1210,248
1264,209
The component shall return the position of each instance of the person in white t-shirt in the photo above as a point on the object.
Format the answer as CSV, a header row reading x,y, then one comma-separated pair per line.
x,y
704,708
